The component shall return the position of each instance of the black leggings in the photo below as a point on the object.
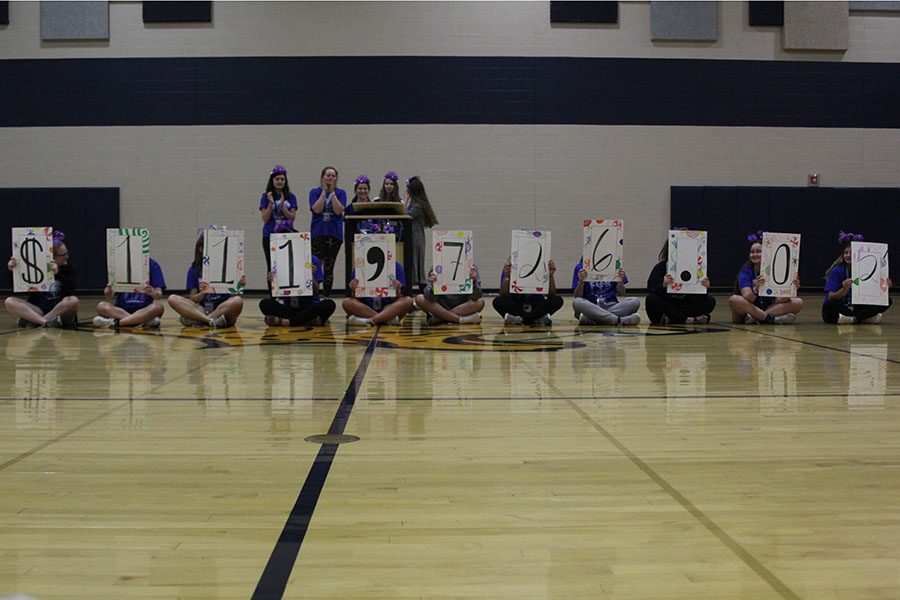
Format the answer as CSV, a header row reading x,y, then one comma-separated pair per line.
x,y
326,248
832,308
678,309
271,307
513,304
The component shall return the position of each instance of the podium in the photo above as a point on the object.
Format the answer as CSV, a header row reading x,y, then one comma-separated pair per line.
x,y
364,211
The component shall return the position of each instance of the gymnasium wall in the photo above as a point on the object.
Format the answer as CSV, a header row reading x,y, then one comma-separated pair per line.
x,y
510,121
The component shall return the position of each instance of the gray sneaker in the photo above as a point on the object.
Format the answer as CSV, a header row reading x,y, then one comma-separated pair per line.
x,y
585,320
630,320
190,322
152,323
104,322
544,321
509,319
785,319
56,322
26,324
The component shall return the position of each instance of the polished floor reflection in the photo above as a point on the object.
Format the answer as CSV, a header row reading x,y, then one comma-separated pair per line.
x,y
492,462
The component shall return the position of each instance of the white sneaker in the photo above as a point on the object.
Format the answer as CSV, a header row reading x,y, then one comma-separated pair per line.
x,y
749,320
846,320
470,319
359,321
103,322
875,320
152,323
585,320
219,322
785,319
190,322
630,320
509,319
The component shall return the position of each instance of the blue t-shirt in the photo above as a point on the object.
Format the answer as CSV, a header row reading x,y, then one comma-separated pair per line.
x,y
327,223
277,215
836,281
304,301
745,280
133,301
597,292
210,301
379,303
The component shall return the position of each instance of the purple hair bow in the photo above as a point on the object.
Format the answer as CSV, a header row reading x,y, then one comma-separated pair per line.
x,y
58,237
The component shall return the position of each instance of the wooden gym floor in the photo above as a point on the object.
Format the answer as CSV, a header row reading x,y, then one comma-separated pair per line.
x,y
491,462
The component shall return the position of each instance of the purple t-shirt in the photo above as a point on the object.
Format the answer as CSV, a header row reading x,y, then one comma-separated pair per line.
x,y
210,301
277,215
593,291
326,223
133,301
836,281
379,303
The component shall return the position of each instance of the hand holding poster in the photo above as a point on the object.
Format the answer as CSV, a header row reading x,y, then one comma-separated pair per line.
x,y
374,263
453,258
223,261
687,261
530,255
780,264
601,253
291,264
32,249
128,259
869,268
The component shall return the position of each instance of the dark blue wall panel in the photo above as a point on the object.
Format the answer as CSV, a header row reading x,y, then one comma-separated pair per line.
x,y
430,89
729,214
766,14
83,214
4,13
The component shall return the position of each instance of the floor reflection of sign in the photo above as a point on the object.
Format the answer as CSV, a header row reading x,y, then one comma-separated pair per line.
x,y
34,413
777,382
868,376
685,386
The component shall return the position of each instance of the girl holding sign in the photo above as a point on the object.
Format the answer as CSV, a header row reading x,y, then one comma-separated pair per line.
x,y
327,203
597,303
747,306
527,309
59,306
134,309
838,307
668,308
202,309
452,308
419,208
368,312
298,311
276,206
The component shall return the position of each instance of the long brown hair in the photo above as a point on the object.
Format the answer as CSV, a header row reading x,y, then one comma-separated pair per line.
x,y
417,194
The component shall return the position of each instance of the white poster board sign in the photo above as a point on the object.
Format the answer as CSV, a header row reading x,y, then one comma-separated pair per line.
x,y
374,257
453,255
223,261
530,255
291,264
869,265
128,259
687,261
601,254
780,264
32,247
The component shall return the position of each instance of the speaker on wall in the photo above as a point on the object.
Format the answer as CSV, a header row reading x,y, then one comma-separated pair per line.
x,y
766,14
177,12
584,12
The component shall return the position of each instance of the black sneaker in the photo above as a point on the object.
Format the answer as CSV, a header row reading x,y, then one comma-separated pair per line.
x,y
56,322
